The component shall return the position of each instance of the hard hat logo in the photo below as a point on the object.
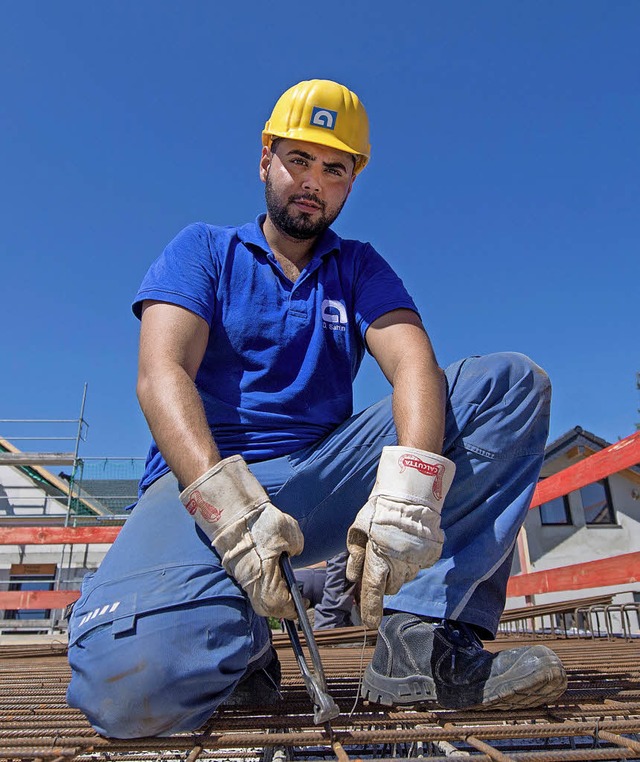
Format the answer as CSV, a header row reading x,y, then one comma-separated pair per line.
x,y
340,122
323,117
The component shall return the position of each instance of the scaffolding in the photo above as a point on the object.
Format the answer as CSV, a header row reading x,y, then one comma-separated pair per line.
x,y
36,459
94,492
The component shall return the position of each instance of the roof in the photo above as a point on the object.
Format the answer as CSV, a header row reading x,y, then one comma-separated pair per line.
x,y
115,495
54,485
576,435
575,444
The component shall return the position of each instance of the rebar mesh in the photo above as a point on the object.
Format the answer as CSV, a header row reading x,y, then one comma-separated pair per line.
x,y
597,718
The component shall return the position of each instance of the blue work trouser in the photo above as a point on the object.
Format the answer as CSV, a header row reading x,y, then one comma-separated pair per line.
x,y
328,592
335,607
161,634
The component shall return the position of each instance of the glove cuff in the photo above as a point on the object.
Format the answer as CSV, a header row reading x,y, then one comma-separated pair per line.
x,y
414,475
223,494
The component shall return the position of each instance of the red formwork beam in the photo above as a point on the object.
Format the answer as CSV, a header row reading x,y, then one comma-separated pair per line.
x,y
58,535
616,457
37,599
616,570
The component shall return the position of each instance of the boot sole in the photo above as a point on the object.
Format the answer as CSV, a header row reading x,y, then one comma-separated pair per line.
x,y
391,691
542,687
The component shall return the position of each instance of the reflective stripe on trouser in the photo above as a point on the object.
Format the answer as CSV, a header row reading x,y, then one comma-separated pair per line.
x,y
186,633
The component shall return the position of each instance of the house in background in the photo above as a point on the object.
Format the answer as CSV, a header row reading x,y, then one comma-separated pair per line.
x,y
598,521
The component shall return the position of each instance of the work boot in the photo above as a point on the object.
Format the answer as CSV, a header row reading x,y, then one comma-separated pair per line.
x,y
260,685
421,659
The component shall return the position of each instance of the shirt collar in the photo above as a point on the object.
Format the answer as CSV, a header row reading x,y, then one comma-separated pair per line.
x,y
251,233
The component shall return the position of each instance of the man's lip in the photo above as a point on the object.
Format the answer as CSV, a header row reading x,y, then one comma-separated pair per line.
x,y
305,204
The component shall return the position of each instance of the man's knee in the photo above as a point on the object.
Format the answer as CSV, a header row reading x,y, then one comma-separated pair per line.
x,y
517,375
516,367
167,674
500,405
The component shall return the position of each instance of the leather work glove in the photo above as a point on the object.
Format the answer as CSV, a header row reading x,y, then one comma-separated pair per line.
x,y
248,531
397,533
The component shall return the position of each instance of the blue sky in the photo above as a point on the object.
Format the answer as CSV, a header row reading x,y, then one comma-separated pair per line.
x,y
503,186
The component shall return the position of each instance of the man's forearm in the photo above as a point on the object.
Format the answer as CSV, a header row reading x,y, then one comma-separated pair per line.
x,y
419,398
173,409
403,350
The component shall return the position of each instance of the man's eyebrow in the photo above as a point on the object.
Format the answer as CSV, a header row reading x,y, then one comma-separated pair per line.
x,y
299,152
334,165
311,157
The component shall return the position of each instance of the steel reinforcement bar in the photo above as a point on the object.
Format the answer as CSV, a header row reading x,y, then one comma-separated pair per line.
x,y
597,718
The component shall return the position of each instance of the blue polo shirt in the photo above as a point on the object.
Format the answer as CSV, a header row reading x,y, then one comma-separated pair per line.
x,y
279,366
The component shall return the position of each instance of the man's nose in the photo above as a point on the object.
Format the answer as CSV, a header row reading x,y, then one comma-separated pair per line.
x,y
311,180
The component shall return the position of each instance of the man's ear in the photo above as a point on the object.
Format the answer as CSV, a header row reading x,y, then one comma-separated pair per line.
x,y
265,163
353,179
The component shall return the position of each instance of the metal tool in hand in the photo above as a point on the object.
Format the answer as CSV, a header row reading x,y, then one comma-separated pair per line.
x,y
324,707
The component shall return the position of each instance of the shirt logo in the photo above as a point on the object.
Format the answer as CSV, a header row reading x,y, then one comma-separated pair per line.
x,y
334,315
323,117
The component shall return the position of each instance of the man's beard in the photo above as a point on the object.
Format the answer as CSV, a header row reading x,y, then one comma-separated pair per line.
x,y
300,227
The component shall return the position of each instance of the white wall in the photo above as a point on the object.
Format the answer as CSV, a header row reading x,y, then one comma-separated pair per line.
x,y
20,496
552,546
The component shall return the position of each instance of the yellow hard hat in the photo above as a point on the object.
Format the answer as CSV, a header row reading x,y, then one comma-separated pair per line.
x,y
324,112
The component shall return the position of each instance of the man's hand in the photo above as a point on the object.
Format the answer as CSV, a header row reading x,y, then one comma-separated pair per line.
x,y
249,533
397,533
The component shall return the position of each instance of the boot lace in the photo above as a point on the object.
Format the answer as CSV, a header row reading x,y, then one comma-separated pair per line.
x,y
461,636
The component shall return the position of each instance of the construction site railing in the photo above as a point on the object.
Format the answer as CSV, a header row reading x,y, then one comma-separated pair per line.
x,y
617,570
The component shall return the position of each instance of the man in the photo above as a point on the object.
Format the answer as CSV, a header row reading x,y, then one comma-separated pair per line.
x,y
250,340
